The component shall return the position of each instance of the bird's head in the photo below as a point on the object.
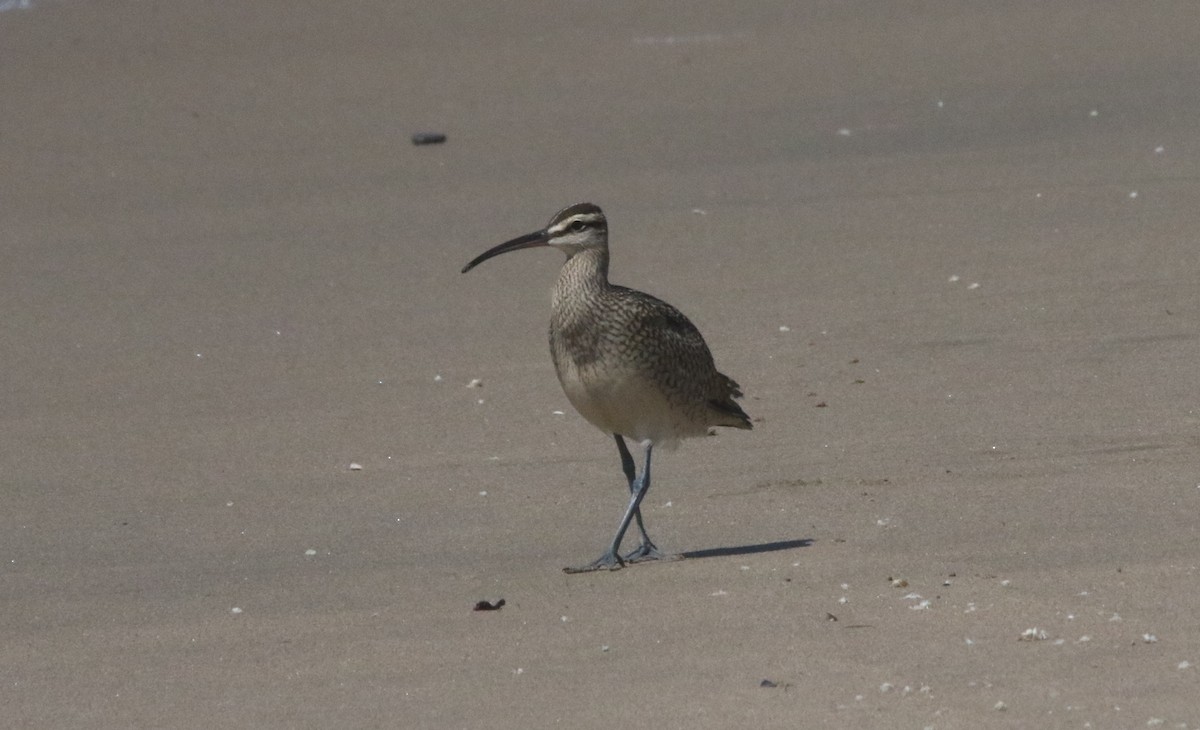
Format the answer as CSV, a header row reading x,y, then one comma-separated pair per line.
x,y
573,229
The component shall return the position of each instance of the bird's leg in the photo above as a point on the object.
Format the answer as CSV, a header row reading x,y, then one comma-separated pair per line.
x,y
611,560
647,550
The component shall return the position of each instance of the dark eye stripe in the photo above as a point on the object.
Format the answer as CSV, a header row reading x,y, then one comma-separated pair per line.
x,y
578,223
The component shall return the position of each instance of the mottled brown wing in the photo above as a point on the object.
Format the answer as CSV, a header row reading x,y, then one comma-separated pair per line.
x,y
678,358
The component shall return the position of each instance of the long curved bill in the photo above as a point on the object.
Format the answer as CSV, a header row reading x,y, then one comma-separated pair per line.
x,y
529,240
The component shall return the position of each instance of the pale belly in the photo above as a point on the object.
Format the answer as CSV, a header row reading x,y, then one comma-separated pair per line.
x,y
626,404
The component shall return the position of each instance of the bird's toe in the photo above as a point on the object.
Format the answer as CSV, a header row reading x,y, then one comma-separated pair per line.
x,y
608,561
646,552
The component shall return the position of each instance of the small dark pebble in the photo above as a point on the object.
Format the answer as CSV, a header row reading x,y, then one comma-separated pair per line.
x,y
428,138
768,684
488,606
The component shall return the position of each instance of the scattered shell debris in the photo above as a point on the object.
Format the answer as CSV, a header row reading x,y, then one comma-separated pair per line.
x,y
355,466
1033,634
235,610
310,552
475,383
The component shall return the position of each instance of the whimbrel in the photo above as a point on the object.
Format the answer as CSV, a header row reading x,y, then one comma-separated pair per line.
x,y
631,364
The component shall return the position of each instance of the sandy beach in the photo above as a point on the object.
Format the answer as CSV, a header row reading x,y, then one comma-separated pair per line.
x,y
949,250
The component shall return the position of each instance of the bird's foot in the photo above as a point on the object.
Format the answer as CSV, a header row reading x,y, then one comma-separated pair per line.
x,y
646,552
607,561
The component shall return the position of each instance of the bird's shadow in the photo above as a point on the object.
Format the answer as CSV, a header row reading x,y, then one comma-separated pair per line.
x,y
762,547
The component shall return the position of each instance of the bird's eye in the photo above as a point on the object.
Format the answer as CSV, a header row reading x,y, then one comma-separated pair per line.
x,y
578,226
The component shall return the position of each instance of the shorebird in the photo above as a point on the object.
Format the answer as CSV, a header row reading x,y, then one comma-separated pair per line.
x,y
631,364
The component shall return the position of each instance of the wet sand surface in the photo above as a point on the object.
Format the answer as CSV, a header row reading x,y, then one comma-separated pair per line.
x,y
948,250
